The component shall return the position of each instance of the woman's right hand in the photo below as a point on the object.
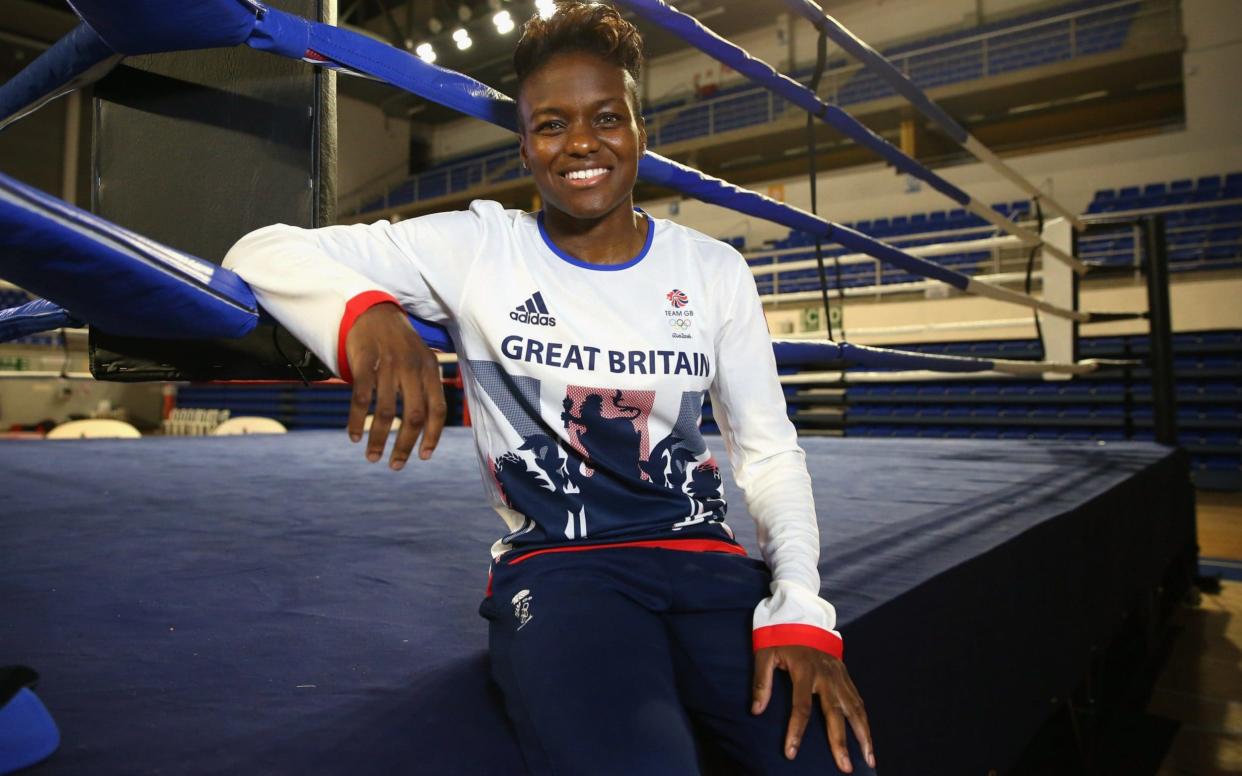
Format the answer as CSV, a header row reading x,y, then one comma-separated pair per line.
x,y
387,358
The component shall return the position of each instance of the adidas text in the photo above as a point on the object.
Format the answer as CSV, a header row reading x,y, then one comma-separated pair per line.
x,y
538,319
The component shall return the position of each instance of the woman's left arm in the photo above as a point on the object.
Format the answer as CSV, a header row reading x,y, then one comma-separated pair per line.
x,y
794,628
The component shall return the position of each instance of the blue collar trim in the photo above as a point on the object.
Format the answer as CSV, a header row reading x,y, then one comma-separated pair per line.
x,y
651,227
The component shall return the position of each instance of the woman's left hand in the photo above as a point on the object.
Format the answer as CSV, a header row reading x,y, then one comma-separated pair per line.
x,y
814,673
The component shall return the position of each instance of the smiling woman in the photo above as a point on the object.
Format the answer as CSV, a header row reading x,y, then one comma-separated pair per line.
x,y
581,130
629,632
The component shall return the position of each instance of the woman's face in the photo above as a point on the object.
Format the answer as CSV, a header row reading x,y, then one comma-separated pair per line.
x,y
580,135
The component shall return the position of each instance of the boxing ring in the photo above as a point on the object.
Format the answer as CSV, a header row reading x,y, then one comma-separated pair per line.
x,y
194,608
275,605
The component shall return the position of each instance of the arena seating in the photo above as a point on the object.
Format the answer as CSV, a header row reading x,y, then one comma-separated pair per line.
x,y
1109,405
1203,222
1029,46
918,229
297,407
1207,236
684,117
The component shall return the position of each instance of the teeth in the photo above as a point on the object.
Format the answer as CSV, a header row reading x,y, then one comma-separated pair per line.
x,y
584,174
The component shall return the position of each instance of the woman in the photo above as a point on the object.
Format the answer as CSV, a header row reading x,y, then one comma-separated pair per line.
x,y
622,612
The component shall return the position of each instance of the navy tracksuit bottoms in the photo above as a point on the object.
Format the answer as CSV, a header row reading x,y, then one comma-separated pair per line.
x,y
638,661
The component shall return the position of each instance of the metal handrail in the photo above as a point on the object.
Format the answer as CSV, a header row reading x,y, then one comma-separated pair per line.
x,y
997,261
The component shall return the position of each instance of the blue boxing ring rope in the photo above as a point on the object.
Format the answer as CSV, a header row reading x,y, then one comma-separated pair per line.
x,y
689,29
901,83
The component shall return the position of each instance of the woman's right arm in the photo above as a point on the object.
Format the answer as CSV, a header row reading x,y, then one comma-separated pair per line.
x,y
342,291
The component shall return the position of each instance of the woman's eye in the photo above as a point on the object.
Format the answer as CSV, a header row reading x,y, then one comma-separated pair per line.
x,y
609,118
549,126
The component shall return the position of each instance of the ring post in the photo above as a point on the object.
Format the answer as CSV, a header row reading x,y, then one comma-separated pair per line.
x,y
1060,287
1163,387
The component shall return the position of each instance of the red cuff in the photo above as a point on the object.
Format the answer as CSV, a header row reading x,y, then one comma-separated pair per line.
x,y
799,636
353,308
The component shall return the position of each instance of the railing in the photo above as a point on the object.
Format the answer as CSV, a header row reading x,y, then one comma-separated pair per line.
x,y
501,165
1005,49
1196,240
982,251
1002,50
1216,243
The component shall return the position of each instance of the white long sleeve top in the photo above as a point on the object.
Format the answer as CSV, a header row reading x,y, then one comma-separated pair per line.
x,y
585,382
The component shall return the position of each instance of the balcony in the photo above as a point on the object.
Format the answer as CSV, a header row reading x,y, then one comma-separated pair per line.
x,y
1007,80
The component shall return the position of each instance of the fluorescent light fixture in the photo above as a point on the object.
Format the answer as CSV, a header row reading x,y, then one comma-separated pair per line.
x,y
462,38
504,22
426,53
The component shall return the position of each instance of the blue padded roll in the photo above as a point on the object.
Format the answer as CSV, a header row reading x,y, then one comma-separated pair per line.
x,y
119,281
151,26
285,34
75,60
28,733
687,180
822,353
433,334
33,318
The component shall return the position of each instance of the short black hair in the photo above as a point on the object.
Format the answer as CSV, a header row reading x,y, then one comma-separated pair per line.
x,y
594,28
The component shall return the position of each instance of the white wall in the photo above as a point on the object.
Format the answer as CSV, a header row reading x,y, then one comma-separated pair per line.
x,y
465,135
370,145
29,401
1212,66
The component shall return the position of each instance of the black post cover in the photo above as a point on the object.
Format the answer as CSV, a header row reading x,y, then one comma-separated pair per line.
x,y
1163,384
197,148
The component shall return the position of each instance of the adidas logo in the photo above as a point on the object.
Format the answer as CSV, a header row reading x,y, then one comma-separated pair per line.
x,y
533,311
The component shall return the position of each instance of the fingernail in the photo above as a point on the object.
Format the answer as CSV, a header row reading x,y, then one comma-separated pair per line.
x,y
791,752
845,765
355,437
424,455
871,759
372,457
397,465
756,707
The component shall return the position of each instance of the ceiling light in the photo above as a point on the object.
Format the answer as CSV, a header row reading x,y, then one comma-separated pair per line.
x,y
545,8
464,13
462,38
434,26
504,22
426,52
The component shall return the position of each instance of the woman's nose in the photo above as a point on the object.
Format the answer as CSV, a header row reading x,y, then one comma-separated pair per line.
x,y
582,140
